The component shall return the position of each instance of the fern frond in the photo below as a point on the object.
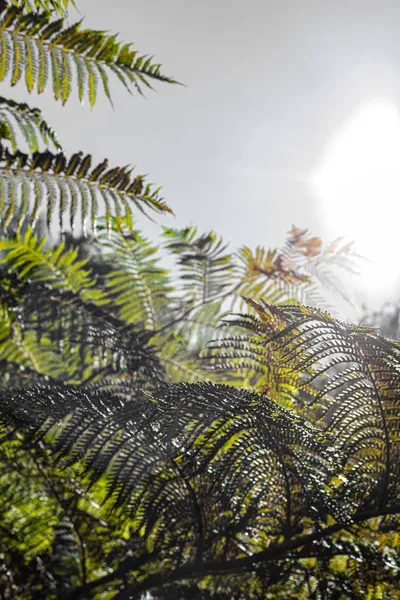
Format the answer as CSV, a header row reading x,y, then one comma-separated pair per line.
x,y
59,6
56,266
68,187
205,267
148,450
41,49
137,286
295,272
321,263
206,280
33,128
248,486
92,342
22,351
358,407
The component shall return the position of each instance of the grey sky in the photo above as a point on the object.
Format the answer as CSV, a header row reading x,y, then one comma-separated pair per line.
x,y
268,84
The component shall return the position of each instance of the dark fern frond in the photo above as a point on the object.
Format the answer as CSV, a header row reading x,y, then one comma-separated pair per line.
x,y
33,128
90,340
44,50
64,315
61,187
358,407
206,281
198,433
205,266
250,488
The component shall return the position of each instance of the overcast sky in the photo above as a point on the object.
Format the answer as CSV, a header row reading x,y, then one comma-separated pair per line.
x,y
268,83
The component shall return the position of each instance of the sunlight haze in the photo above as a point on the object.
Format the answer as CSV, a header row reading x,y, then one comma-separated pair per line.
x,y
359,184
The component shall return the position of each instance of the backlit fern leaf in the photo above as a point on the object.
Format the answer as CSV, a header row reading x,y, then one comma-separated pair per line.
x,y
51,182
137,286
297,271
59,6
33,128
56,266
320,263
34,46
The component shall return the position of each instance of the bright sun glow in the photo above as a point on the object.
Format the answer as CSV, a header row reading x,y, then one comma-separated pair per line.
x,y
359,185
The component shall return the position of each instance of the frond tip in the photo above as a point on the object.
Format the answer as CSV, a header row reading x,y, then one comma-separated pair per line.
x,y
28,182
35,46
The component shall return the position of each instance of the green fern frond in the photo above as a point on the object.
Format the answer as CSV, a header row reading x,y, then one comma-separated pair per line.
x,y
59,6
179,362
73,187
22,348
41,49
56,266
33,128
137,286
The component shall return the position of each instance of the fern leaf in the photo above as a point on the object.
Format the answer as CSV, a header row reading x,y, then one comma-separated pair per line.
x,y
57,266
297,271
137,286
59,6
33,128
205,267
34,44
249,488
68,186
360,412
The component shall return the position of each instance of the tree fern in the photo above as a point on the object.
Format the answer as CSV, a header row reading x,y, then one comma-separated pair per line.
x,y
206,279
69,187
61,305
220,489
36,47
34,130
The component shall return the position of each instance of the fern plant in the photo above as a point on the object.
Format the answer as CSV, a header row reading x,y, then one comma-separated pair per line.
x,y
145,451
